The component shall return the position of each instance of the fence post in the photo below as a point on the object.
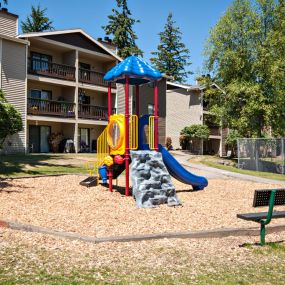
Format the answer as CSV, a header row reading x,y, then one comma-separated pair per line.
x,y
282,153
238,152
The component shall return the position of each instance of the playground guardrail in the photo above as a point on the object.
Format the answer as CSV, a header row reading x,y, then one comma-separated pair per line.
x,y
151,132
134,136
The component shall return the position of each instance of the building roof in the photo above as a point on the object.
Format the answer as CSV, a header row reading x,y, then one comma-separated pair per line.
x,y
8,38
184,86
138,70
69,31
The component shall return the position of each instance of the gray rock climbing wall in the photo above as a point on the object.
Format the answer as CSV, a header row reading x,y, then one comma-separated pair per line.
x,y
151,181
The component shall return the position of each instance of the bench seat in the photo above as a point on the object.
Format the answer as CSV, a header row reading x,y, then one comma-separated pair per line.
x,y
259,216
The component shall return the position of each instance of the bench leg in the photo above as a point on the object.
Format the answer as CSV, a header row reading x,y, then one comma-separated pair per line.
x,y
262,234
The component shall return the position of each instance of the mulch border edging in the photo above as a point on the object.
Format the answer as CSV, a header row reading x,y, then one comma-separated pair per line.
x,y
40,176
216,233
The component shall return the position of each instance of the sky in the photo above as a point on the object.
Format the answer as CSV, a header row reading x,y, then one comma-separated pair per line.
x,y
194,17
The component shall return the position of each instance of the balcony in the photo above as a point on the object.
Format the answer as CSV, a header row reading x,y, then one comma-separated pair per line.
x,y
93,77
50,108
86,111
51,69
215,131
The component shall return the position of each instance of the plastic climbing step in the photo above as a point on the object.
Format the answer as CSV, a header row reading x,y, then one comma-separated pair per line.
x,y
90,181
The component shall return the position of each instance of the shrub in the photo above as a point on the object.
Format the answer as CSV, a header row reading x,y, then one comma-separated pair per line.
x,y
184,142
168,143
231,140
196,132
10,119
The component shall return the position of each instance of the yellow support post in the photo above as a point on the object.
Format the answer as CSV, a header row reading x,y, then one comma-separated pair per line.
x,y
151,132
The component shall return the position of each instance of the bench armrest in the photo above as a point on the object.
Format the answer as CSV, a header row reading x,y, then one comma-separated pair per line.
x,y
270,209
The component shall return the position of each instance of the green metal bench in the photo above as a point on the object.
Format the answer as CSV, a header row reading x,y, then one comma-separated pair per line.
x,y
265,198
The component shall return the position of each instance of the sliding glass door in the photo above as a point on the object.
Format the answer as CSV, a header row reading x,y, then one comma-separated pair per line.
x,y
38,138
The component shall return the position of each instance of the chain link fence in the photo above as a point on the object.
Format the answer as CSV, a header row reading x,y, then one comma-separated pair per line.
x,y
265,155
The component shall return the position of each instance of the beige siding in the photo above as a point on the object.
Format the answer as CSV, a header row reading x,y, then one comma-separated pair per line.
x,y
147,97
183,109
120,99
8,25
13,78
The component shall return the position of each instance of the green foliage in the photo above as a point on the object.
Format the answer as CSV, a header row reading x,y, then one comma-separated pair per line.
x,y
37,21
10,119
172,56
121,27
196,132
231,139
246,54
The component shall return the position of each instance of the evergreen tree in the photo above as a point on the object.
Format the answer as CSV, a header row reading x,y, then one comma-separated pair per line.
x,y
172,55
37,21
120,26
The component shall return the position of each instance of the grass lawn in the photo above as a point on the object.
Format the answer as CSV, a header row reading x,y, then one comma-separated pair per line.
x,y
43,164
266,267
213,162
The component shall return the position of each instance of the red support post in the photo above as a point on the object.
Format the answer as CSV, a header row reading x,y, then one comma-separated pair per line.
x,y
110,168
138,100
127,116
156,115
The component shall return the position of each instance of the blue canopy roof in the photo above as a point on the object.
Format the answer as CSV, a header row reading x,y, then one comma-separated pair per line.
x,y
137,69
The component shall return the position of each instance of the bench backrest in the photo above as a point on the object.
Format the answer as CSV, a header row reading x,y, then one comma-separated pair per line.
x,y
261,197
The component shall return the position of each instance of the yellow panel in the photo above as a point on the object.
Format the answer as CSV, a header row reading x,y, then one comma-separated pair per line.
x,y
116,134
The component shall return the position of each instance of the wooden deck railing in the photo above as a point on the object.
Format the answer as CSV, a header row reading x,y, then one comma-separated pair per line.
x,y
215,131
51,69
86,111
51,108
93,77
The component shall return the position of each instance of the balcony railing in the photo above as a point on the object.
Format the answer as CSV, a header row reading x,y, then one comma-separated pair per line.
x,y
51,108
86,111
93,77
215,131
51,69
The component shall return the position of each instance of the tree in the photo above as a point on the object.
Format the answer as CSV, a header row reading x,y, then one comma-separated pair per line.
x,y
10,119
37,21
120,26
240,56
196,132
172,56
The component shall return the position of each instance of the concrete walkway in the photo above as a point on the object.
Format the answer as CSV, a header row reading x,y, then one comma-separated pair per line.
x,y
215,173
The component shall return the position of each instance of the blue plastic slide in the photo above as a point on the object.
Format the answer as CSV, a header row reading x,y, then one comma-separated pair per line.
x,y
177,171
174,168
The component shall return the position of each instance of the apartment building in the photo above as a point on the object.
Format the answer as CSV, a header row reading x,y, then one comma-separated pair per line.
x,y
184,107
55,79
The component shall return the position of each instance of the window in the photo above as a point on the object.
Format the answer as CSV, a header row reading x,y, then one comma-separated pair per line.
x,y
84,65
84,139
84,71
41,94
40,61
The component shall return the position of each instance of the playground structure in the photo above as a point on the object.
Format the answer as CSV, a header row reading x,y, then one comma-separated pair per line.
x,y
125,133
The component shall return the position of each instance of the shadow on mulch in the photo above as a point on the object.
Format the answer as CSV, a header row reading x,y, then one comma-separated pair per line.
x,y
4,187
271,243
117,188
